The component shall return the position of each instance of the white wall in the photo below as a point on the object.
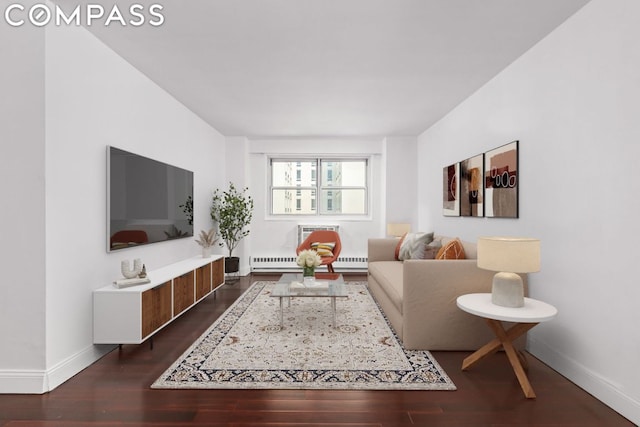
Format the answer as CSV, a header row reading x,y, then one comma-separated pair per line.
x,y
401,181
238,172
572,101
273,236
22,187
92,98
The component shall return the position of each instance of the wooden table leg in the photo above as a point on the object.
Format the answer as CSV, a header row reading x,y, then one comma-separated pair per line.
x,y
505,340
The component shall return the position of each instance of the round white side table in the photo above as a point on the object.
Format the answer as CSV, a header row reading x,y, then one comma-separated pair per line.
x,y
525,318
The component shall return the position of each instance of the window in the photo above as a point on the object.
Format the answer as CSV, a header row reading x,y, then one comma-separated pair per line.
x,y
323,186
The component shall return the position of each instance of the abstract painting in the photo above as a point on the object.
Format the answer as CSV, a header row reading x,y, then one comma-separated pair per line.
x,y
501,181
471,187
451,190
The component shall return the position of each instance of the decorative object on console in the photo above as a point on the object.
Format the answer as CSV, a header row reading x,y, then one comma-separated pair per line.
x,y
143,272
232,210
308,259
207,240
471,187
125,283
398,230
451,190
501,181
508,256
127,272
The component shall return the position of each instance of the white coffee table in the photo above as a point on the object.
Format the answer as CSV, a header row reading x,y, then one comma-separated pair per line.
x,y
525,318
335,288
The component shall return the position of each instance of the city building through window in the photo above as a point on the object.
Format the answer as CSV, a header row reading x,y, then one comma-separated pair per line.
x,y
339,188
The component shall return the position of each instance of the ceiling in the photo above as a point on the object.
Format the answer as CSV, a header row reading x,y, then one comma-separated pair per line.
x,y
330,67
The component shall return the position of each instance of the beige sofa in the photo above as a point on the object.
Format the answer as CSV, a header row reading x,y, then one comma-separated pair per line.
x,y
419,297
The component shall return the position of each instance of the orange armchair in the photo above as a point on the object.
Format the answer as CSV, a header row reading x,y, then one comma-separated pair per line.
x,y
323,236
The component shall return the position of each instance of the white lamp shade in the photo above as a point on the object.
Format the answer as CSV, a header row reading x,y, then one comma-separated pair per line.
x,y
509,254
398,230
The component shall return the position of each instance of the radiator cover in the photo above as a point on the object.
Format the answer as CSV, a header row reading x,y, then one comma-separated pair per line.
x,y
288,263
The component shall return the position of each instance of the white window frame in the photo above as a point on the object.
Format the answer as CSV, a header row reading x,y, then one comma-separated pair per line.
x,y
319,185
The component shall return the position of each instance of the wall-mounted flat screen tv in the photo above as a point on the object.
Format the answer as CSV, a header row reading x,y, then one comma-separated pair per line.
x,y
147,201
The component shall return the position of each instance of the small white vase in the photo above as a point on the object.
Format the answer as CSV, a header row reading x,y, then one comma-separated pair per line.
x,y
127,272
206,251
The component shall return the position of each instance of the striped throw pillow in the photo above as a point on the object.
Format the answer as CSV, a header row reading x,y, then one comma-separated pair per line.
x,y
323,249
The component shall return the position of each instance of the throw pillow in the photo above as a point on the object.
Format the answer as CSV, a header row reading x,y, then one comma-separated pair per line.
x,y
452,250
398,247
413,245
431,250
323,249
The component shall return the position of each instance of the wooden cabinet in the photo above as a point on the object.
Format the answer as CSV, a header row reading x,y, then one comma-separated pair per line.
x,y
156,308
131,315
217,273
203,281
183,293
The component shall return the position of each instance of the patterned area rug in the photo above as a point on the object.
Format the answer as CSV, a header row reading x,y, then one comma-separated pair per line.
x,y
247,348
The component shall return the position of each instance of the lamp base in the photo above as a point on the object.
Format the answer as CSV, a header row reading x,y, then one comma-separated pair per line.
x,y
507,290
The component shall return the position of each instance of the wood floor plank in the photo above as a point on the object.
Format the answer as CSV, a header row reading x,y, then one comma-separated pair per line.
x,y
306,417
115,391
321,405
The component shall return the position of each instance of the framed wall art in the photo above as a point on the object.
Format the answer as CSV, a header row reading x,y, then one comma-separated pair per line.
x,y
501,181
471,186
451,190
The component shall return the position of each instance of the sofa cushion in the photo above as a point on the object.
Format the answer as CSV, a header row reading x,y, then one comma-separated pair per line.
x,y
389,275
431,250
398,246
413,245
452,250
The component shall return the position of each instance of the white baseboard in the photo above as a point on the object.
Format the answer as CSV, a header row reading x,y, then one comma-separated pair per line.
x,y
245,270
39,382
74,364
596,385
23,382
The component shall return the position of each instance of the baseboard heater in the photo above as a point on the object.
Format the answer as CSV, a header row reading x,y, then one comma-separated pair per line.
x,y
266,264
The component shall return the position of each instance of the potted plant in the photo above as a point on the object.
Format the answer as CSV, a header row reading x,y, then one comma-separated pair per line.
x,y
232,210
207,240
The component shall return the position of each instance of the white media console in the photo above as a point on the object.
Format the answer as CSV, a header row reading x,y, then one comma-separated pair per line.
x,y
131,315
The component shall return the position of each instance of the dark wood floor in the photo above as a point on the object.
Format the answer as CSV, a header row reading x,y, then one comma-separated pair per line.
x,y
115,392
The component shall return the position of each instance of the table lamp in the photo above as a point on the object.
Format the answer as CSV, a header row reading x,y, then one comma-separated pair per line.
x,y
398,230
508,256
